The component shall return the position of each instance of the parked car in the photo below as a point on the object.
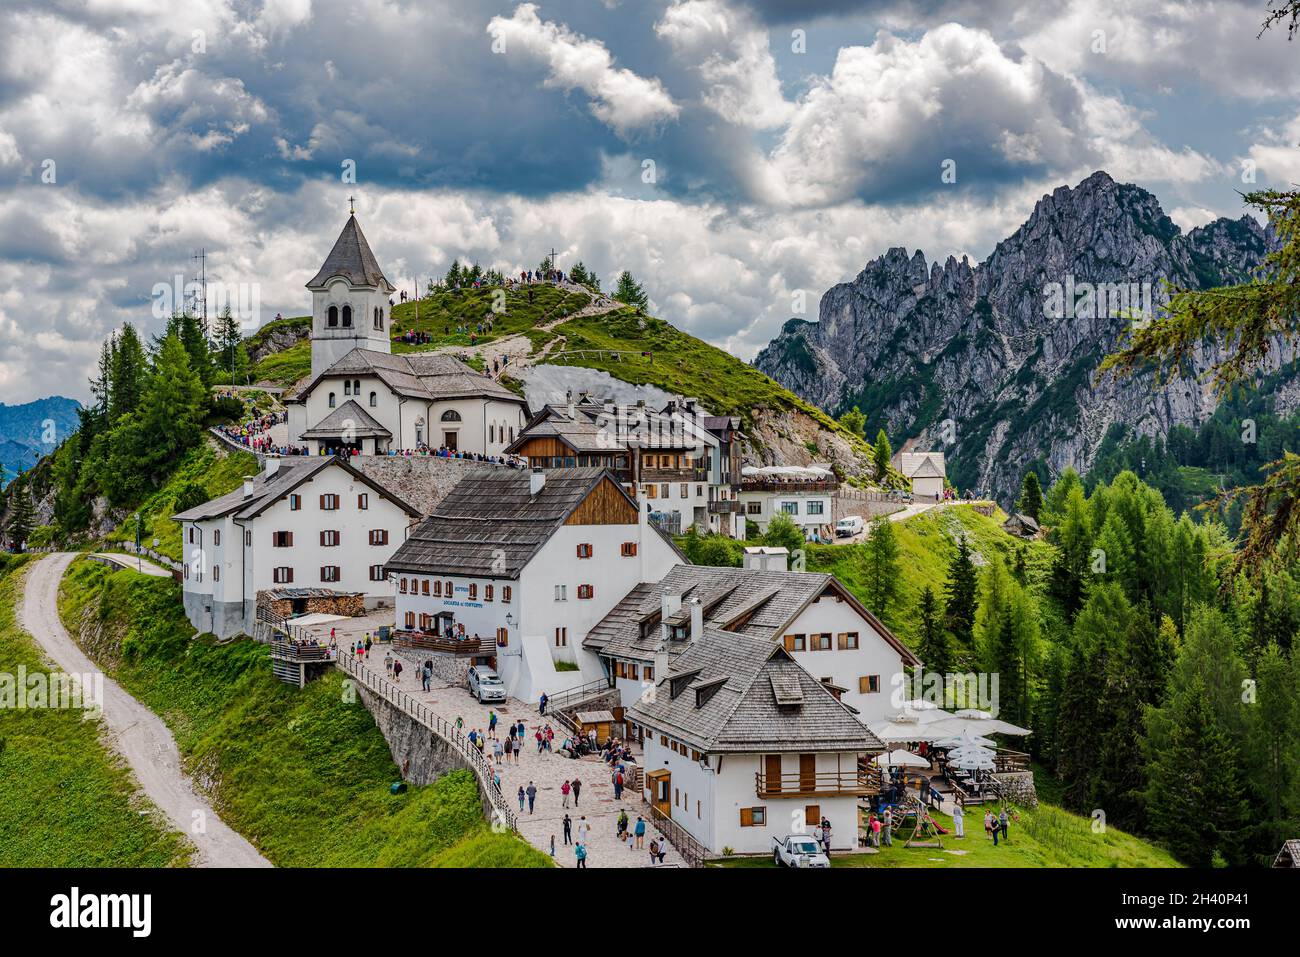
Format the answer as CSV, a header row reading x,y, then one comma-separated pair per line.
x,y
848,527
798,850
485,684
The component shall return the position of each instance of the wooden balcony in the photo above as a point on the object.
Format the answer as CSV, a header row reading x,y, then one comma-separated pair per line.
x,y
821,784
725,507
464,647
293,651
1005,760
660,476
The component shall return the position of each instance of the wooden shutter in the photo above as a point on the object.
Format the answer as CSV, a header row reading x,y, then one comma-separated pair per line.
x,y
812,815
807,772
772,771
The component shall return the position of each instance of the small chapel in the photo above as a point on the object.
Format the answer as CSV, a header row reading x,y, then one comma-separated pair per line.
x,y
362,399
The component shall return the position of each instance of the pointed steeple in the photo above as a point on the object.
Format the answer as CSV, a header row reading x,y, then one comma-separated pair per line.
x,y
352,260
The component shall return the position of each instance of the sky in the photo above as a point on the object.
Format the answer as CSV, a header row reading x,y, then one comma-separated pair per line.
x,y
739,157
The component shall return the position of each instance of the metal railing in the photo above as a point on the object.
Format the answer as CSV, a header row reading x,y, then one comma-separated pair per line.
x,y
297,652
444,729
571,697
769,485
692,851
404,638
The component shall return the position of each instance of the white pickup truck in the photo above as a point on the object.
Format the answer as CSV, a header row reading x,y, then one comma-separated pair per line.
x,y
798,850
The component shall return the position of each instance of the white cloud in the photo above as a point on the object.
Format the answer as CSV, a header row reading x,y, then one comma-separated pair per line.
x,y
732,56
621,99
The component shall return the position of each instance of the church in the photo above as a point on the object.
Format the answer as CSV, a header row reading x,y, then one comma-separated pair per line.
x,y
363,399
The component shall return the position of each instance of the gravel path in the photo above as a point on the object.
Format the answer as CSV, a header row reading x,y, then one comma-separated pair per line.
x,y
134,731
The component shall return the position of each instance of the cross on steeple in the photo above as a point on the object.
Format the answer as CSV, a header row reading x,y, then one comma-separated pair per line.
x,y
352,209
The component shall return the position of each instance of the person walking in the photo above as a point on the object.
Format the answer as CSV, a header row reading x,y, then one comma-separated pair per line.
x,y
532,796
552,847
639,830
397,671
618,784
492,721
583,829
580,852
564,791
887,828
521,799
958,820
654,852
577,790
568,830
497,751
542,703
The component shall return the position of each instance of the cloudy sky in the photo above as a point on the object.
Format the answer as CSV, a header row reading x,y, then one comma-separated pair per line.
x,y
729,152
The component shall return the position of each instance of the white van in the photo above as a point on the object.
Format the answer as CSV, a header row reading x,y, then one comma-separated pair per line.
x,y
848,527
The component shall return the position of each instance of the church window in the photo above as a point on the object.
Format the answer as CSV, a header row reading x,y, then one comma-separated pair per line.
x,y
347,387
356,386
451,415
374,399
332,400
347,317
332,317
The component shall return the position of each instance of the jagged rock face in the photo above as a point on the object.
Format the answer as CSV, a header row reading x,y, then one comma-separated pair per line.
x,y
992,361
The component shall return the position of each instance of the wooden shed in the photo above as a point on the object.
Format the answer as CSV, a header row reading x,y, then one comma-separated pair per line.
x,y
602,721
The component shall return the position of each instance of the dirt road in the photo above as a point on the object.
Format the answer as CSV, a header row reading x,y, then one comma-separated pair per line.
x,y
134,731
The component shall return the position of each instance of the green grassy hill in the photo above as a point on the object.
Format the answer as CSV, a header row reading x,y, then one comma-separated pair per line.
x,y
304,774
67,800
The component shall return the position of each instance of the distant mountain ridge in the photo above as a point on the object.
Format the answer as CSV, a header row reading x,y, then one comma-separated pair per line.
x,y
991,363
26,431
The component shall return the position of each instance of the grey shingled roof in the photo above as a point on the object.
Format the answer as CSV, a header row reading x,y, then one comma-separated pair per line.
x,y
292,473
773,599
417,375
490,525
349,417
743,714
351,259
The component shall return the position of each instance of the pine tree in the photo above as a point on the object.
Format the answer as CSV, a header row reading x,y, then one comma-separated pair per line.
x,y
23,520
1071,568
1274,731
880,567
855,422
881,453
231,356
1031,496
961,596
934,649
194,337
453,275
629,292
128,374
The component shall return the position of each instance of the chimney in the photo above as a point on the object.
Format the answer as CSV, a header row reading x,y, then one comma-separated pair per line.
x,y
767,558
661,663
697,619
671,605
572,409
536,481
248,486
272,466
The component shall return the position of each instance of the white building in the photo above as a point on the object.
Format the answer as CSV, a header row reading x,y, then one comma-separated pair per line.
x,y
303,526
925,470
742,744
361,397
530,562
811,615
805,494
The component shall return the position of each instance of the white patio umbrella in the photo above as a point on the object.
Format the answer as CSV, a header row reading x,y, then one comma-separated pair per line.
x,y
971,758
963,739
975,713
899,758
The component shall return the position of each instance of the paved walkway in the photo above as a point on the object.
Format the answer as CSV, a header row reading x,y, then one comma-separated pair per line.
x,y
547,771
134,731
135,563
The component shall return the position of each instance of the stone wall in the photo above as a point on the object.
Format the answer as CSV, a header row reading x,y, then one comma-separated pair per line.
x,y
349,606
1018,787
422,756
450,669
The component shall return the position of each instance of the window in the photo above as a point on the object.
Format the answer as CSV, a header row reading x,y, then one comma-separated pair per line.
x,y
632,671
796,643
426,621
586,591
650,492
216,573
376,573
329,573
446,588
295,502
503,638
282,539
812,815
505,592
561,592
374,400
437,589
329,538
561,637
329,502
790,508
487,592
282,575
216,536
424,587
191,534
379,536
248,537
869,684
848,639
816,508
663,491
363,501
648,673
584,550
820,642
347,317
333,401
628,550
685,490
410,619
753,508
451,415
473,590
753,817
332,317
347,387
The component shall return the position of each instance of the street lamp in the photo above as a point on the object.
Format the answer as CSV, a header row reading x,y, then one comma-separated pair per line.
x,y
139,560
